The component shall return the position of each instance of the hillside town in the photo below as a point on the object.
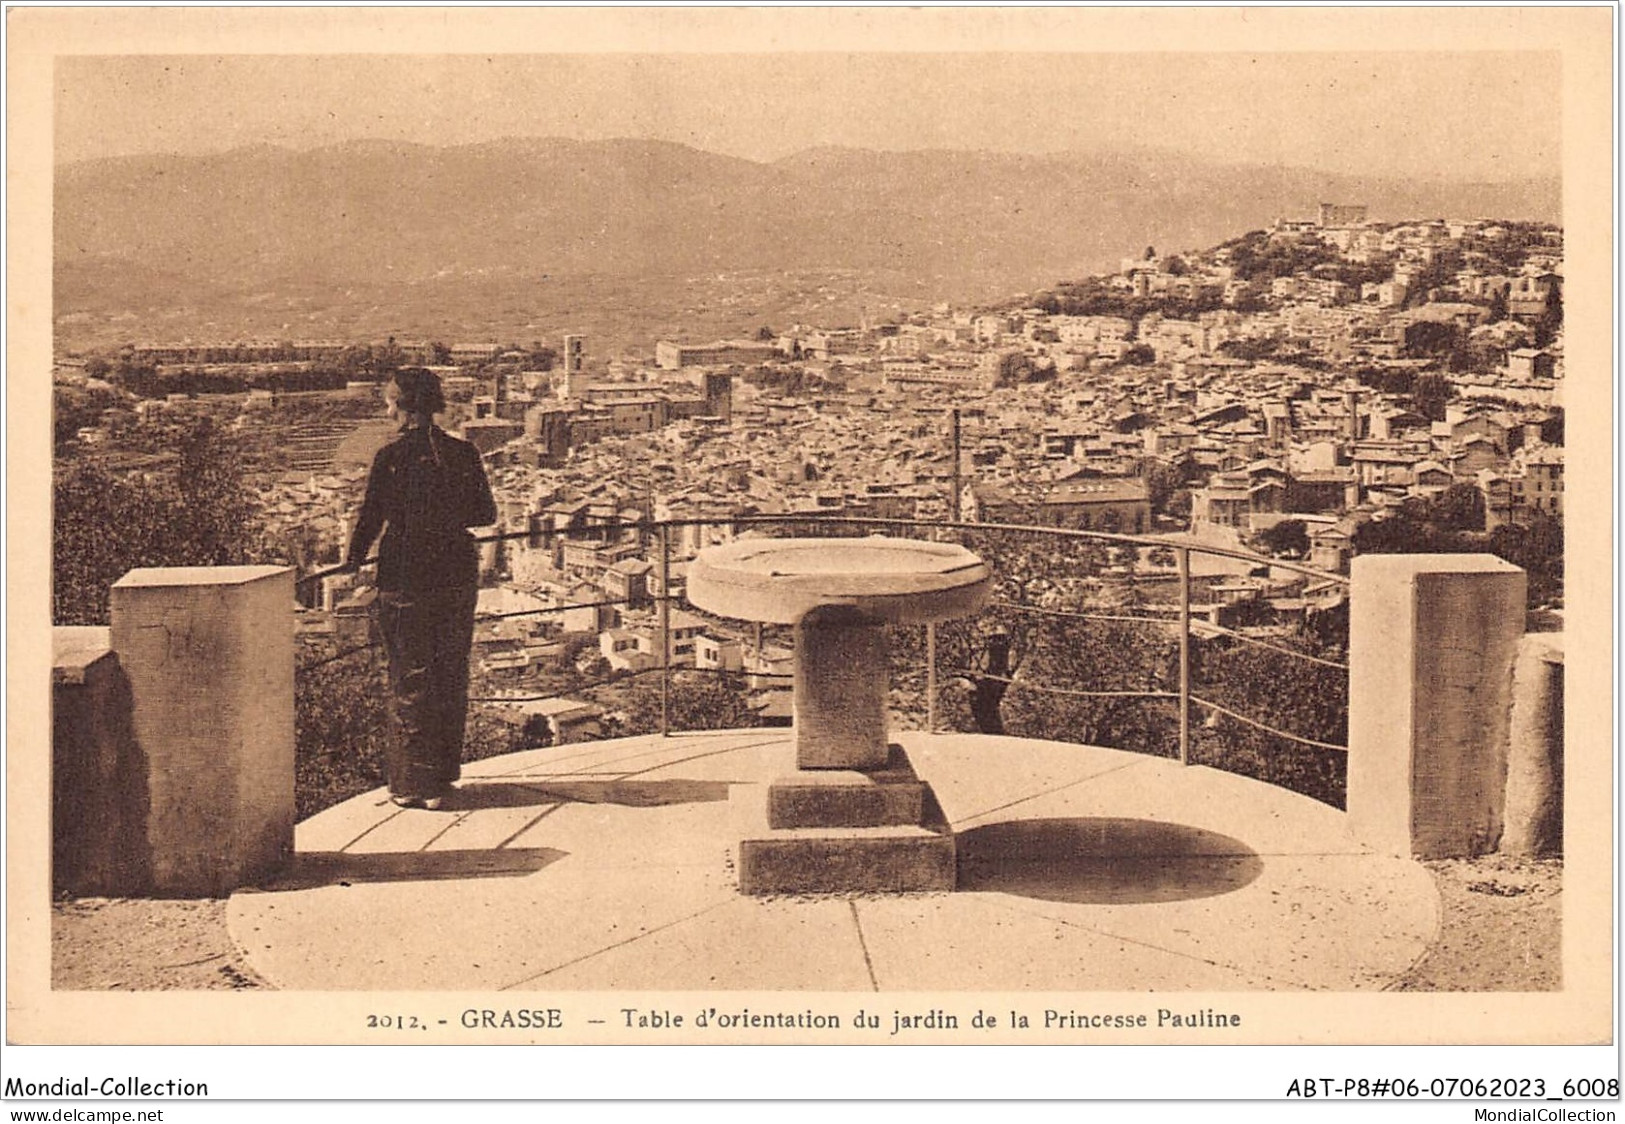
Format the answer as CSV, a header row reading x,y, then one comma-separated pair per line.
x,y
1325,374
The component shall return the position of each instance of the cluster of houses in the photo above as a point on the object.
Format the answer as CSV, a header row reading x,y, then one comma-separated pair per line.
x,y
1270,404
1387,455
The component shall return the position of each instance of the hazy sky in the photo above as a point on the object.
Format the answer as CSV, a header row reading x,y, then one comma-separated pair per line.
x,y
1484,115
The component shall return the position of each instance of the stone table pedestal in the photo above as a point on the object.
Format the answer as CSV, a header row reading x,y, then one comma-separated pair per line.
x,y
853,816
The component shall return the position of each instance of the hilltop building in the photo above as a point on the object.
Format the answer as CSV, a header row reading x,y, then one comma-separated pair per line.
x,y
673,356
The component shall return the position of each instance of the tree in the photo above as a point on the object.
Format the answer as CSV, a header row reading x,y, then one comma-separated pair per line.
x,y
1094,656
1431,338
1163,482
139,379
536,732
1459,507
1399,533
1430,395
388,359
764,334
1076,679
1477,355
356,360
1139,355
1419,527
1289,536
1551,430
1014,369
1538,548
1550,322
1295,696
1252,350
199,514
697,702
74,409
341,729
220,521
574,653
1179,505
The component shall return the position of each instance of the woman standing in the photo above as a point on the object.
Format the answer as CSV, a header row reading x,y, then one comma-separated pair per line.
x,y
425,490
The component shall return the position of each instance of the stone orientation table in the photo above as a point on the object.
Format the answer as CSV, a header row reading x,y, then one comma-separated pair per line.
x,y
854,816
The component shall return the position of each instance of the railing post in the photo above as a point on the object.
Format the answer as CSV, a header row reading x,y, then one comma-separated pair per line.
x,y
665,630
931,677
1184,555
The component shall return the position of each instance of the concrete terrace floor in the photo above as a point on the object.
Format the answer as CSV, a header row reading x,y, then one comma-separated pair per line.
x,y
607,865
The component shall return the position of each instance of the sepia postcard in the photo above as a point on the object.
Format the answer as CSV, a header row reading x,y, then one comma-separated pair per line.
x,y
846,527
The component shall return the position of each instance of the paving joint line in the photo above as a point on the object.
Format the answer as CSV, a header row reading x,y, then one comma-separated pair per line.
x,y
564,759
370,829
589,750
1433,938
532,822
461,817
686,760
1053,791
1236,968
618,944
607,766
863,945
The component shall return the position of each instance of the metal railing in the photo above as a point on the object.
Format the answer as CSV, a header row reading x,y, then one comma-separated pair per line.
x,y
1177,617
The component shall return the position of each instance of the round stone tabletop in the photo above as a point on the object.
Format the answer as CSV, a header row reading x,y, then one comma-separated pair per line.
x,y
779,581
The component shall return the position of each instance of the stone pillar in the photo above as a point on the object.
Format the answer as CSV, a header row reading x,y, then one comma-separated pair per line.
x,y
842,676
208,654
98,778
1534,799
1431,644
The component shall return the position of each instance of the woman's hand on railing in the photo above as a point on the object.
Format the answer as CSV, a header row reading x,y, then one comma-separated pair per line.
x,y
331,571
345,567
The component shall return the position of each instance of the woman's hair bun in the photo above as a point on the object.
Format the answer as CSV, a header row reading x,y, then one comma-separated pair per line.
x,y
420,391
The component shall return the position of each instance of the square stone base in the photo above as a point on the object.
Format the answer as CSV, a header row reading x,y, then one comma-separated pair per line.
x,y
892,860
889,796
845,831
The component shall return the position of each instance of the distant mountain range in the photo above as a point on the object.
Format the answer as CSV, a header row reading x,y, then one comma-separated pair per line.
x,y
384,214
